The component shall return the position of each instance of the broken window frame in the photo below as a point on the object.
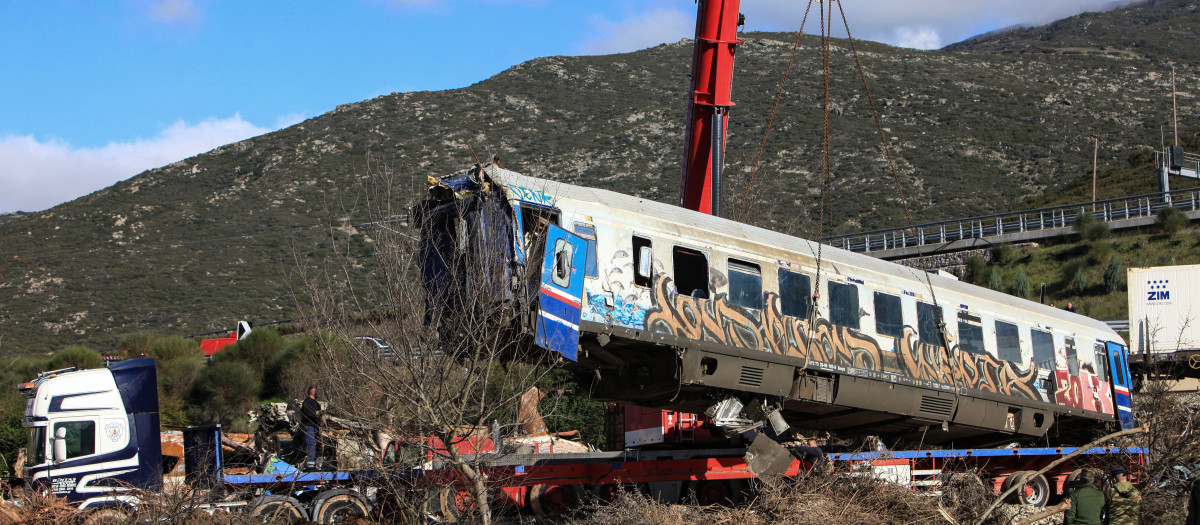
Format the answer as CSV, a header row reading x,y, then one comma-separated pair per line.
x,y
690,269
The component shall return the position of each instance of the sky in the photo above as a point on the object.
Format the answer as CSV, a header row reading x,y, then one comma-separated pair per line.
x,y
94,92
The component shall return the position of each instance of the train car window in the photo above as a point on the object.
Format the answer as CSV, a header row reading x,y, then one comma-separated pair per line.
x,y
745,284
1101,363
1008,342
795,294
843,304
1043,349
691,272
1072,357
929,323
643,261
564,253
970,334
588,233
888,318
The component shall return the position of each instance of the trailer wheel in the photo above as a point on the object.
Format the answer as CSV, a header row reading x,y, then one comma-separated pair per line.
x,y
606,493
1036,491
1008,483
339,506
549,500
713,492
107,516
454,504
276,507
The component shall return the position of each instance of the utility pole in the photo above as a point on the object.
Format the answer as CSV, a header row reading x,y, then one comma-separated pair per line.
x,y
1095,162
1174,105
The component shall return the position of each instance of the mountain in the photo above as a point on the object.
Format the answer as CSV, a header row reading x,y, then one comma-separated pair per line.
x,y
228,235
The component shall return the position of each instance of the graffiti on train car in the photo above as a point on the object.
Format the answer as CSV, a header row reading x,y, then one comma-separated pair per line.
x,y
719,321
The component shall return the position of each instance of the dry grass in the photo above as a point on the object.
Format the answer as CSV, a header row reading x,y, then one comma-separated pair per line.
x,y
817,500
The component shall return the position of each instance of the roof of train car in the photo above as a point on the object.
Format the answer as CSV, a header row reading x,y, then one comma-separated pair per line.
x,y
764,237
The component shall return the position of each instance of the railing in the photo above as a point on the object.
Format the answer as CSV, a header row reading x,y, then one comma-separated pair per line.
x,y
940,233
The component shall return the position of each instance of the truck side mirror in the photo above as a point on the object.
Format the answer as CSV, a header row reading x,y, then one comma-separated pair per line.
x,y
60,445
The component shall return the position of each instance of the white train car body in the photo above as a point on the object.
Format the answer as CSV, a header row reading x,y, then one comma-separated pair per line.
x,y
656,305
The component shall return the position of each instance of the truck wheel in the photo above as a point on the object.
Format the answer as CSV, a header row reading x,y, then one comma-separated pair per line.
x,y
339,506
549,500
606,493
278,507
1036,491
107,516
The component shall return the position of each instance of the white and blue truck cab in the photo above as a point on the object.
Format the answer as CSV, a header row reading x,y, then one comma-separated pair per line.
x,y
94,434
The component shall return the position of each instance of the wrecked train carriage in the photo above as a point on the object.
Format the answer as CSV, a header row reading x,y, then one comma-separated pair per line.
x,y
656,305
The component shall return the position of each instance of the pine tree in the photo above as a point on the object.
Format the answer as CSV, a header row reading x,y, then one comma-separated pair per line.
x,y
1112,274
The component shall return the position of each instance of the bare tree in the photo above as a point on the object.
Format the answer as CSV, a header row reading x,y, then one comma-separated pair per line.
x,y
448,362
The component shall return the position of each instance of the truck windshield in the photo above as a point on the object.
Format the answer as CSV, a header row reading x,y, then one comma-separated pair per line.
x,y
37,445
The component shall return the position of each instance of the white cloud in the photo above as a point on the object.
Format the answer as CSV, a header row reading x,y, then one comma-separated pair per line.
x,y
918,38
639,31
38,174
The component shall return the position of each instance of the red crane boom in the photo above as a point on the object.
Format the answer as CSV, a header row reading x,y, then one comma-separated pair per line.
x,y
708,104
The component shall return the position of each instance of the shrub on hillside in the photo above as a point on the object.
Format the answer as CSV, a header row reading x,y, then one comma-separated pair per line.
x,y
224,392
975,269
1090,228
1021,287
995,280
261,350
1001,253
1113,274
1171,220
138,344
80,357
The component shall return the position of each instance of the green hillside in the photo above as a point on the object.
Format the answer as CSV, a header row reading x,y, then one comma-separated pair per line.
x,y
223,236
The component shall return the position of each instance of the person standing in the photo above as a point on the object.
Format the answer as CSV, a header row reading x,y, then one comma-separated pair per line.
x,y
1193,515
1086,502
310,426
1123,499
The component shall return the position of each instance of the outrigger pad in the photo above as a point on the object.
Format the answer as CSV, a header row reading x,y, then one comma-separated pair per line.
x,y
766,457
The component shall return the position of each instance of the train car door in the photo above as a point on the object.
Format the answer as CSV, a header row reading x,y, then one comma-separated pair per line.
x,y
1118,358
561,292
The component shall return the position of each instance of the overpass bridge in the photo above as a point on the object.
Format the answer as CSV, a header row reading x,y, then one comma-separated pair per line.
x,y
1018,226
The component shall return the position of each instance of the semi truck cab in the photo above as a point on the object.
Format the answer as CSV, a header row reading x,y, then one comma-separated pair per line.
x,y
94,434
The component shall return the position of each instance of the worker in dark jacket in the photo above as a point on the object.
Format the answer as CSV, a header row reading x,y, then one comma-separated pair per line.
x,y
1087,502
1193,516
310,426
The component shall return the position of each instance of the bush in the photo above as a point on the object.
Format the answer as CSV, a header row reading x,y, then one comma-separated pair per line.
x,y
975,269
261,350
1090,228
1171,220
225,391
138,345
1079,282
80,357
1021,287
1113,274
995,281
1001,253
